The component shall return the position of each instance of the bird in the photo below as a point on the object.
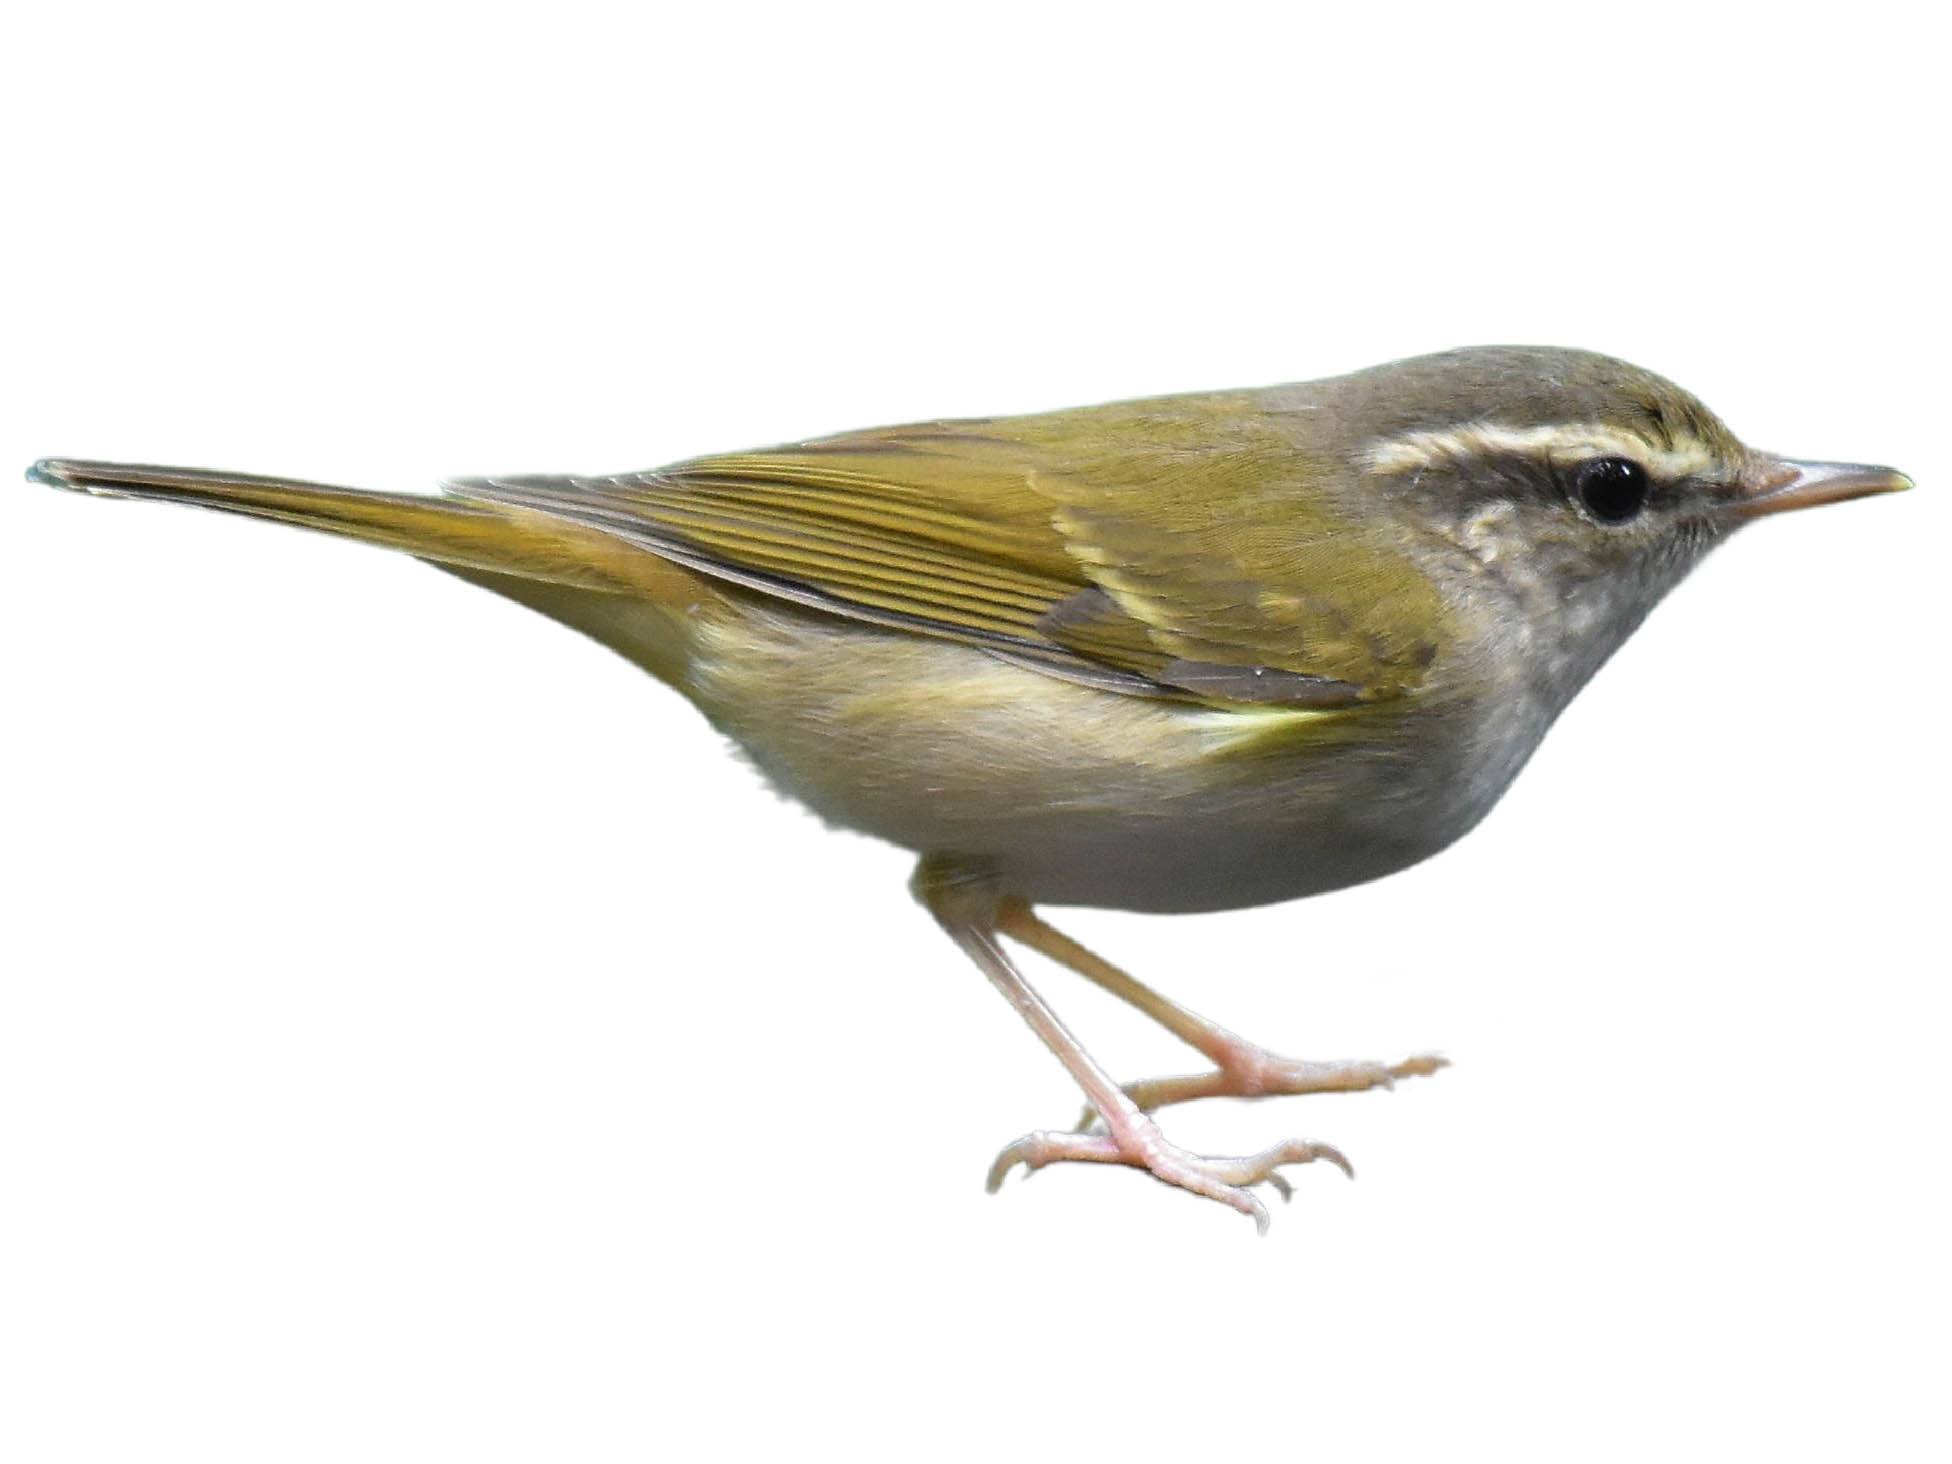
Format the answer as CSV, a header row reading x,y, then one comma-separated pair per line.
x,y
1183,654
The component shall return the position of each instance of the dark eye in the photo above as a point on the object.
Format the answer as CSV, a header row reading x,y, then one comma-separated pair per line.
x,y
1612,490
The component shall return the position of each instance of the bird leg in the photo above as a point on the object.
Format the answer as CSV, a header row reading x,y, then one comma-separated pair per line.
x,y
967,905
1241,1069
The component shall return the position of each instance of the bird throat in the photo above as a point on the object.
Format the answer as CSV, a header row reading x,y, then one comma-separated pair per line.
x,y
1549,614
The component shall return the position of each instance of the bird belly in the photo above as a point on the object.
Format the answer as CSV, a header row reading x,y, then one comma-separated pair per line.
x,y
1075,795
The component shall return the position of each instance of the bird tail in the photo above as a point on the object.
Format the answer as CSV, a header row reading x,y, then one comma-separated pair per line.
x,y
456,532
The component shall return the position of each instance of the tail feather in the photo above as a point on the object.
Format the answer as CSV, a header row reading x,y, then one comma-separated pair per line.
x,y
458,532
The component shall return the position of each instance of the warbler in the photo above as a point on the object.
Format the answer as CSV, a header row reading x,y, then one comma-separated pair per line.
x,y
1189,653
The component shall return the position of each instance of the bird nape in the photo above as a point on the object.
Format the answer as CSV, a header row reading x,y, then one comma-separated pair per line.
x,y
1189,653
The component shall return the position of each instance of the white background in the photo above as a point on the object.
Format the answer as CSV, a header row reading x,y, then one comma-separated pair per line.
x,y
420,1040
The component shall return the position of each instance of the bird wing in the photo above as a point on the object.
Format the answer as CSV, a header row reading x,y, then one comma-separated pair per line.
x,y
1166,548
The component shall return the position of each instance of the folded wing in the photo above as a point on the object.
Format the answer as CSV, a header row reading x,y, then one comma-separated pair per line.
x,y
1168,548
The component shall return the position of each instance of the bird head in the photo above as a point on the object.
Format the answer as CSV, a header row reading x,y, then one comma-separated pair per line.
x,y
1560,492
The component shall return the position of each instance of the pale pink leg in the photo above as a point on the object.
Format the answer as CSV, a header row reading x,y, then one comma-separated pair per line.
x,y
967,907
1241,1069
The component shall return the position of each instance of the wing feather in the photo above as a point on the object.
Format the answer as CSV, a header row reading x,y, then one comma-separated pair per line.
x,y
1164,548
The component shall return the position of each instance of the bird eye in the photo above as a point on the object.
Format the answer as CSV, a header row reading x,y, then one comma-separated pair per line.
x,y
1612,490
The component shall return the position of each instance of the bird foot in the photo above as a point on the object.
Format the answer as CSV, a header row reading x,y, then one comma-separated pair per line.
x,y
1140,1144
1247,1071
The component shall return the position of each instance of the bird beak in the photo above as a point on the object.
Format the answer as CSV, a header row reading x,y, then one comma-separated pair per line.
x,y
1779,484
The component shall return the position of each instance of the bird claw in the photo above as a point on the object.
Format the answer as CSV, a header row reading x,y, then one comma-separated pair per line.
x,y
1216,1178
1423,1065
1254,1073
